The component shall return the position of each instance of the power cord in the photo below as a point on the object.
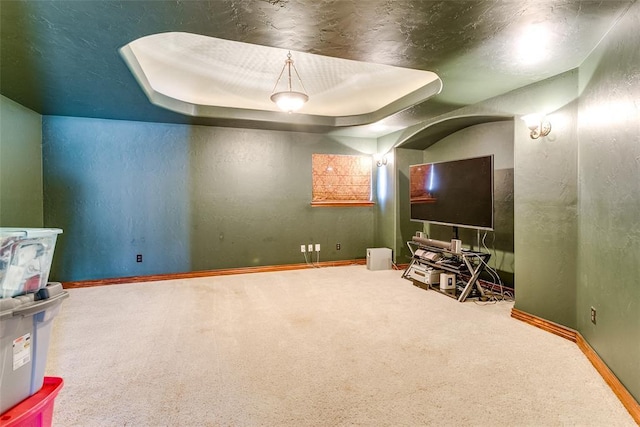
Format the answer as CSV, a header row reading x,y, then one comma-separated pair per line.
x,y
310,263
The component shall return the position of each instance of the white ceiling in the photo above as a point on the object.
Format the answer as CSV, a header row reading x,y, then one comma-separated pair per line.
x,y
189,73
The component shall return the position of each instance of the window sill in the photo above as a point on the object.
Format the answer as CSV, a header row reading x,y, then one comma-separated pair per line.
x,y
339,203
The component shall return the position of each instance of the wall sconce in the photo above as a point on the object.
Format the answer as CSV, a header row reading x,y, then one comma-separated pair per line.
x,y
538,124
381,159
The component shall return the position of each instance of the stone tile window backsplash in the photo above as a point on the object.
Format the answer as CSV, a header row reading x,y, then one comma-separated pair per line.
x,y
341,179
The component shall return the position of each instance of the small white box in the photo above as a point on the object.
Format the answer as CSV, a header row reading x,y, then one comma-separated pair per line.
x,y
378,259
447,281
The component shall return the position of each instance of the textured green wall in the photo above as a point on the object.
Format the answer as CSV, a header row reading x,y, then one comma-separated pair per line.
x,y
393,225
609,200
385,215
545,215
20,166
189,198
404,228
545,197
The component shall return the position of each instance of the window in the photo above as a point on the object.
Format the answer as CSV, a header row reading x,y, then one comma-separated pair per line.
x,y
341,180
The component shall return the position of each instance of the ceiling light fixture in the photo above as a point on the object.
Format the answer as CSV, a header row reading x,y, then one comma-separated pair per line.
x,y
538,124
289,100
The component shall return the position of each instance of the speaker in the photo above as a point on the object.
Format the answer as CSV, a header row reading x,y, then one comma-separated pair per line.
x,y
378,259
447,281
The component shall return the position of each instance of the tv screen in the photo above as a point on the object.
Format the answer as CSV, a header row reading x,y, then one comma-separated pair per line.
x,y
457,193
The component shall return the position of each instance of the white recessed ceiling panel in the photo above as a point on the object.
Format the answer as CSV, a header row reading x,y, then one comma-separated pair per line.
x,y
208,77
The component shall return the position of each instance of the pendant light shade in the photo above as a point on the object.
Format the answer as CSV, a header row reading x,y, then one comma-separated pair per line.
x,y
289,100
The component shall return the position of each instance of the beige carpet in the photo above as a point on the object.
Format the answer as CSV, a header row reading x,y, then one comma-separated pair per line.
x,y
320,347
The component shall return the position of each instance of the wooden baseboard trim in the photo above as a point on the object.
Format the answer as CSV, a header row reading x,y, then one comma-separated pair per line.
x,y
627,400
544,324
207,273
609,377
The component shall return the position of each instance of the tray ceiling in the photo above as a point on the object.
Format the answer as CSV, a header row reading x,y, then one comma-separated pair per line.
x,y
62,57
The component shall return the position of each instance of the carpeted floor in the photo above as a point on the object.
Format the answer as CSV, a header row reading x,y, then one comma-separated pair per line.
x,y
320,347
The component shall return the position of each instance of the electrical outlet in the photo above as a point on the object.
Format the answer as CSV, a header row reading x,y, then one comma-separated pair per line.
x,y
593,315
337,246
310,248
317,247
139,258
303,248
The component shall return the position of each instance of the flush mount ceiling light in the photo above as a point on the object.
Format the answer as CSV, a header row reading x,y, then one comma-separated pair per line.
x,y
289,100
203,76
538,124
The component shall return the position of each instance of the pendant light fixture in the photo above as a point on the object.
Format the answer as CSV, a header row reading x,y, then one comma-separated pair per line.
x,y
289,100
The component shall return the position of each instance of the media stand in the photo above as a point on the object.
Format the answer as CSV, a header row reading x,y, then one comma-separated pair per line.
x,y
427,262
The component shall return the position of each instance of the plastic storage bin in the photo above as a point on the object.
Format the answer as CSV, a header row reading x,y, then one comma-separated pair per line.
x,y
36,410
25,331
25,259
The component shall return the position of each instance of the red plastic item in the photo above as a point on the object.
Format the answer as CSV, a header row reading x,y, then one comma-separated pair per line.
x,y
37,409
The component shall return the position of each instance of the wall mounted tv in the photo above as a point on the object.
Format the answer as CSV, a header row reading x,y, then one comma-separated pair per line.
x,y
457,193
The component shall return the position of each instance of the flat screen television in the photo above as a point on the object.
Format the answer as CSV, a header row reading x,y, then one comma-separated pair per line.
x,y
457,193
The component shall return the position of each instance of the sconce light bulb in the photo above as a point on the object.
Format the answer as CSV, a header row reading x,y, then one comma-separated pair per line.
x,y
532,120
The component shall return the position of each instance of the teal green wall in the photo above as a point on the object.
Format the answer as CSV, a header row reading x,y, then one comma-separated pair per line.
x,y
189,198
384,220
20,166
405,229
545,218
609,200
393,225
